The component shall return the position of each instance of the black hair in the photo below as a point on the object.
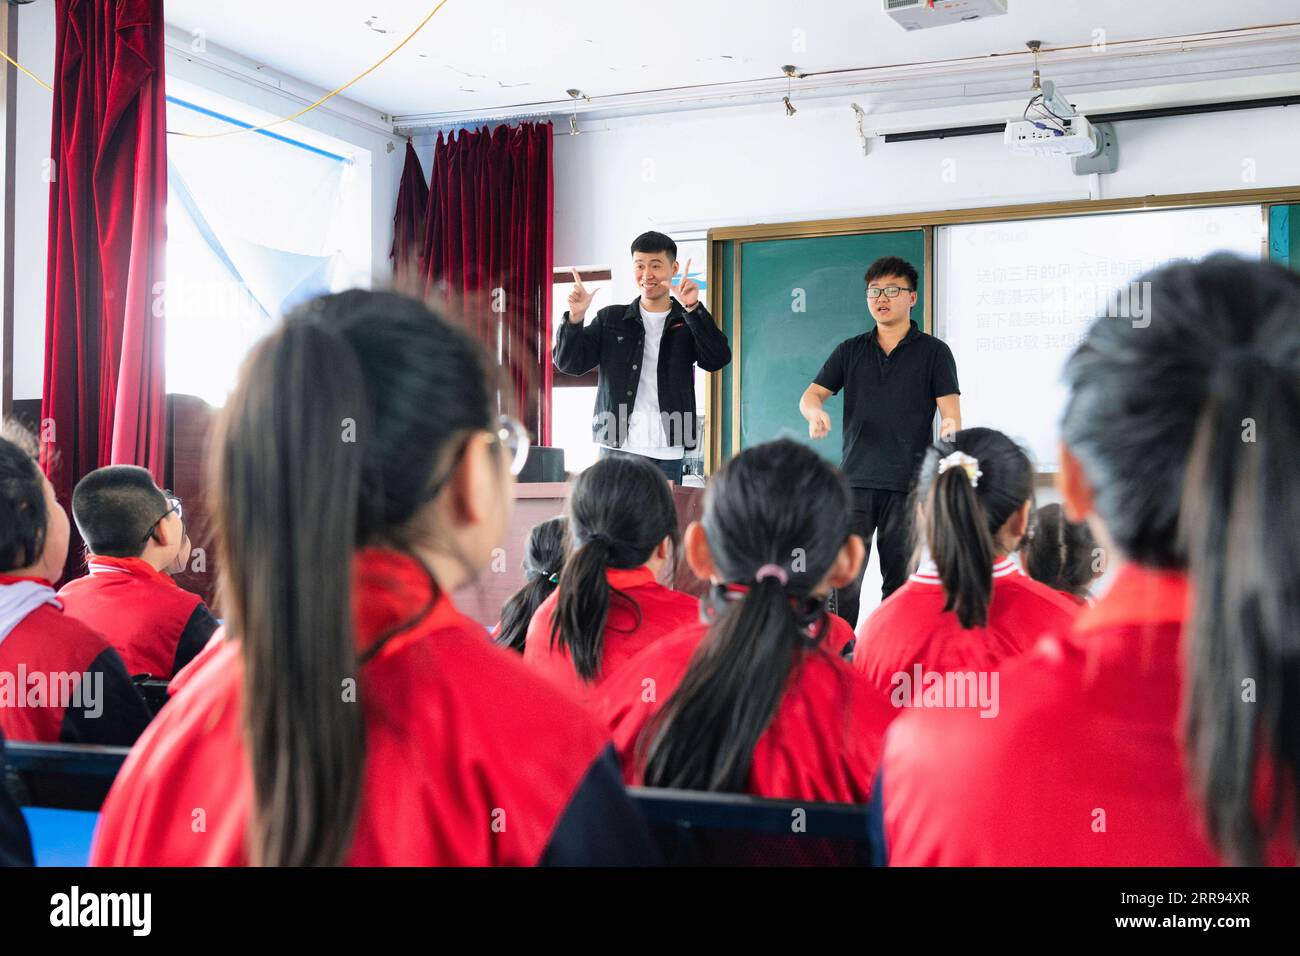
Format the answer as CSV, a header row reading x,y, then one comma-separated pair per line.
x,y
1186,424
115,508
1059,552
777,503
344,421
543,561
962,520
23,518
892,266
620,510
655,242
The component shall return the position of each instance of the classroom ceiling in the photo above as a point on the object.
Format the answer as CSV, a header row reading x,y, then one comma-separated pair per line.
x,y
502,55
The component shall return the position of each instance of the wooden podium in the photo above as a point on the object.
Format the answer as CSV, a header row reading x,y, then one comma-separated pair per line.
x,y
535,503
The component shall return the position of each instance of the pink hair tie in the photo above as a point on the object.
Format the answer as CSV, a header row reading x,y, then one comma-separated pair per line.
x,y
772,571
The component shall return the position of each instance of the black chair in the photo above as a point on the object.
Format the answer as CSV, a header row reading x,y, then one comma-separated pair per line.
x,y
726,829
61,776
153,691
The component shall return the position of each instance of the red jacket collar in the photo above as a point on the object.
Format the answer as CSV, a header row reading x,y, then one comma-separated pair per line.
x,y
1139,596
629,577
137,567
391,590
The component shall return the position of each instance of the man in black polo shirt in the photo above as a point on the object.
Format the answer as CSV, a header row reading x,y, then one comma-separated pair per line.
x,y
895,376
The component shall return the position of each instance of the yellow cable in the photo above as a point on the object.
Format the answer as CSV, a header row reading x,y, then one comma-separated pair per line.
x,y
306,109
27,71
285,119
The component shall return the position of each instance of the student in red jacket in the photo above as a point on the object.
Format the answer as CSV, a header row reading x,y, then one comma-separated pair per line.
x,y
609,604
548,543
1062,554
136,539
968,607
60,681
353,714
759,700
1162,730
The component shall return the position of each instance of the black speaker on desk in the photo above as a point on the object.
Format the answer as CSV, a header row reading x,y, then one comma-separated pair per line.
x,y
544,464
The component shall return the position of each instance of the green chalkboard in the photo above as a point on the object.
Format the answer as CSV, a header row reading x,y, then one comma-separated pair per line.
x,y
799,299
1284,235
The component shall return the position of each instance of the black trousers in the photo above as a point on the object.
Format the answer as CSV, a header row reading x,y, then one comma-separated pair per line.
x,y
883,513
671,467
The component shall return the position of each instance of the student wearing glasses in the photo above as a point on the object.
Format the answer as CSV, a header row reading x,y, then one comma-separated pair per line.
x,y
353,715
136,540
894,377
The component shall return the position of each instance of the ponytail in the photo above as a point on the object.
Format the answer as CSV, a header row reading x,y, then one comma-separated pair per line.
x,y
765,505
704,738
619,511
970,486
289,507
1240,519
583,606
962,547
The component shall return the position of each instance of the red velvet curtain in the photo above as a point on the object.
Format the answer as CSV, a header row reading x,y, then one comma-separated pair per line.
x,y
487,245
104,400
408,223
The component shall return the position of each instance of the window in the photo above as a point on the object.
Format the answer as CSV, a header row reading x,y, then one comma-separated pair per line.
x,y
574,397
257,222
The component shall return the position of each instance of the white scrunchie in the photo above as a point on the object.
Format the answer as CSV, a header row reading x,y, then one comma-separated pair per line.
x,y
959,459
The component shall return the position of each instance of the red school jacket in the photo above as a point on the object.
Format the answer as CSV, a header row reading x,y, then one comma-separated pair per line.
x,y
60,681
911,627
155,624
663,611
470,759
1083,764
823,743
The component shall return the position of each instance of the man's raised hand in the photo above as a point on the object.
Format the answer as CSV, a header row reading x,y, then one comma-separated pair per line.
x,y
688,293
579,299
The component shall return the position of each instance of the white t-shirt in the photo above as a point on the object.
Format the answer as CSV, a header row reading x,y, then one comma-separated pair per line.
x,y
645,427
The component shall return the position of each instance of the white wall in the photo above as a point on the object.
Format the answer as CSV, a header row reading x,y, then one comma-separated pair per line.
x,y
36,52
754,164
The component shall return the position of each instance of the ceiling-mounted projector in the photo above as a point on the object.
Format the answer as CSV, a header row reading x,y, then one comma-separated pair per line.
x,y
1050,126
923,14
1075,136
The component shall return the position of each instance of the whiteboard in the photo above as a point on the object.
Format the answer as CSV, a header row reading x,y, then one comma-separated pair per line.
x,y
1013,299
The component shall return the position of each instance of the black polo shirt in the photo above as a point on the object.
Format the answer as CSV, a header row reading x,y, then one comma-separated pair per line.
x,y
889,404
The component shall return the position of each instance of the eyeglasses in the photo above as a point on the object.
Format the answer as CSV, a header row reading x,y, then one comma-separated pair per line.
x,y
513,436
889,290
509,433
173,504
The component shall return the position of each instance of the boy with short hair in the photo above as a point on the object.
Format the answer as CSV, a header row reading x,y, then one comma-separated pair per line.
x,y
60,681
136,539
